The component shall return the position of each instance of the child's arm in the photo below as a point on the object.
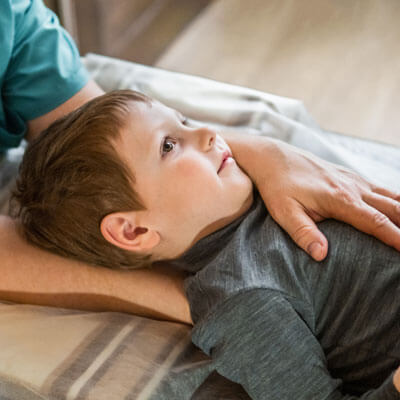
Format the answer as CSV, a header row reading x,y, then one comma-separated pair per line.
x,y
300,189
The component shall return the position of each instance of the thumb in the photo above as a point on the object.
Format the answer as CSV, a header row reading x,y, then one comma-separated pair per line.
x,y
302,229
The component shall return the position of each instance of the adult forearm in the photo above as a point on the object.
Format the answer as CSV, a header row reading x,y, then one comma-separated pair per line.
x,y
31,275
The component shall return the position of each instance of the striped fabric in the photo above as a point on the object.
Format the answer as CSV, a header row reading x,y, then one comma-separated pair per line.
x,y
49,353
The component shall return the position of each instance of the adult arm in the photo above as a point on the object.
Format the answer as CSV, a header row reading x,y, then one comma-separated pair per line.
x,y
43,81
38,124
31,275
300,189
258,340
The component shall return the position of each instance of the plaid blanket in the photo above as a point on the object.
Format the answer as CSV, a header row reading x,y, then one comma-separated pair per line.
x,y
50,353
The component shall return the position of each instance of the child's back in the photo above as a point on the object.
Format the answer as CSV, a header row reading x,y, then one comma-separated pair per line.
x,y
285,326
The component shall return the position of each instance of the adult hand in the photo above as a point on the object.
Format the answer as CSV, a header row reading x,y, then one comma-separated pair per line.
x,y
300,189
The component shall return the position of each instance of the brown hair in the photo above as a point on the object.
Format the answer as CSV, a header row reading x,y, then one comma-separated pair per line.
x,y
71,177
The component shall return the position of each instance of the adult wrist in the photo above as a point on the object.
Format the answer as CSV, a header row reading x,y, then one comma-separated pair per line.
x,y
252,151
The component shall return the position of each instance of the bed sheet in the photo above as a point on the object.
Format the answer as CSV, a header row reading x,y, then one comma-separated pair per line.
x,y
50,353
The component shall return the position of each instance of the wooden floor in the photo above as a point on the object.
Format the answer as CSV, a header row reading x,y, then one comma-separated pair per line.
x,y
341,58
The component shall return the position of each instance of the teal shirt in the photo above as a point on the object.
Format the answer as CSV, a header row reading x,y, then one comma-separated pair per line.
x,y
40,67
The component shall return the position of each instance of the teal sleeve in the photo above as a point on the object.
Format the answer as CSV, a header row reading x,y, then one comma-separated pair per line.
x,y
44,69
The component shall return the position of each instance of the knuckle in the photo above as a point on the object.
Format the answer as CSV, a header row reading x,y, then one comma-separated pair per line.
x,y
379,219
397,208
343,195
350,177
349,173
301,233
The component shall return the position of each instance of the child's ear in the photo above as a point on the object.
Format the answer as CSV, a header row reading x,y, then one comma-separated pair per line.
x,y
122,230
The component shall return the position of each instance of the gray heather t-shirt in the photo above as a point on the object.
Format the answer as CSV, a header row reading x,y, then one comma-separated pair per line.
x,y
287,327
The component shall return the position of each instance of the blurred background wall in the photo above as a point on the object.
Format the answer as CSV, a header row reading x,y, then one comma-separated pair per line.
x,y
341,57
134,30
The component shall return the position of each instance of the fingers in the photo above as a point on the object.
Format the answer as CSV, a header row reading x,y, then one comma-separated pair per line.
x,y
387,193
384,204
302,229
370,220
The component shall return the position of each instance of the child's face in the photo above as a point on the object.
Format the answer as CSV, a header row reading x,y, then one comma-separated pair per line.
x,y
179,177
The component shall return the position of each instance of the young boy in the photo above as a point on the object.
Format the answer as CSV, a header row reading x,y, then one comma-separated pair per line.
x,y
125,181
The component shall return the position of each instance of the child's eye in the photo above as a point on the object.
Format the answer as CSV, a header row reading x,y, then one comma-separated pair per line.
x,y
168,145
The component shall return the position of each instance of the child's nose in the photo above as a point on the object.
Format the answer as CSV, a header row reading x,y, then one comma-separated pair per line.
x,y
207,138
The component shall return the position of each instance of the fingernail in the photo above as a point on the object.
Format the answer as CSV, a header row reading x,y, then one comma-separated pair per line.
x,y
315,249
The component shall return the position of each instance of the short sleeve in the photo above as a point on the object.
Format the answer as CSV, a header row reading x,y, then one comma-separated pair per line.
x,y
44,69
257,339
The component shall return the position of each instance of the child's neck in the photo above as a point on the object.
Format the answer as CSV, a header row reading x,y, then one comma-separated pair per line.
x,y
208,230
219,224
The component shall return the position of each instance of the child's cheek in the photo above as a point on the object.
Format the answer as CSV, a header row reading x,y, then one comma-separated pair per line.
x,y
192,169
195,177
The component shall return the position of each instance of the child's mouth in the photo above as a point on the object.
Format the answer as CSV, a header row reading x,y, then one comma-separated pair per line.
x,y
227,160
